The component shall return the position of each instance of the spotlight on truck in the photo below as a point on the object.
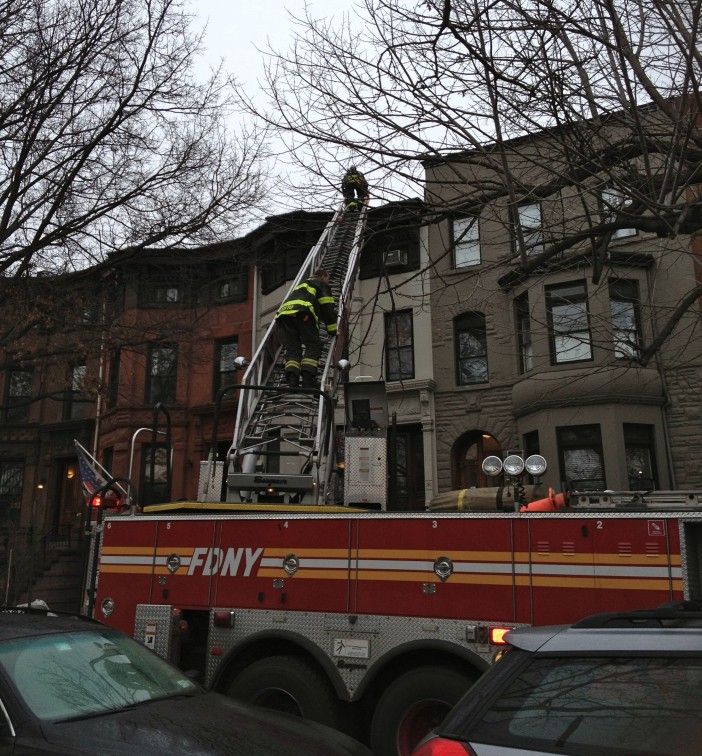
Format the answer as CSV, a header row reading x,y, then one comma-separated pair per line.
x,y
492,466
513,465
535,465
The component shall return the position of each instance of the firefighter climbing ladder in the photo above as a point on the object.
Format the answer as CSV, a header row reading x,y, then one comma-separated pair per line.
x,y
283,439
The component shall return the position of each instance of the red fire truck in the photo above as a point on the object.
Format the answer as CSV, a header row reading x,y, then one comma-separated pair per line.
x,y
272,589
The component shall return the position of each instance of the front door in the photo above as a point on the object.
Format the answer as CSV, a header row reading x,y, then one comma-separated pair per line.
x,y
407,472
69,503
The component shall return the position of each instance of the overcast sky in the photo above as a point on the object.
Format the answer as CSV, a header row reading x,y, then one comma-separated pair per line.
x,y
234,30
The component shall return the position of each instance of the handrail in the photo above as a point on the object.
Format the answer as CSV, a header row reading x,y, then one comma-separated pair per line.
x,y
322,449
264,360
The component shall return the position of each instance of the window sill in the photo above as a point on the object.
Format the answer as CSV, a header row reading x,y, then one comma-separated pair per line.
x,y
410,384
473,386
463,270
571,362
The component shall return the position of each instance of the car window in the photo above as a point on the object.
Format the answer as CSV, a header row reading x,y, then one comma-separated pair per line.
x,y
69,675
598,705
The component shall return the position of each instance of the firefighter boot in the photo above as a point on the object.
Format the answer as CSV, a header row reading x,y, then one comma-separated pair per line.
x,y
292,379
309,380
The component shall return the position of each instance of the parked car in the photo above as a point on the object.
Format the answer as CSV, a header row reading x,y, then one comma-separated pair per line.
x,y
612,685
71,685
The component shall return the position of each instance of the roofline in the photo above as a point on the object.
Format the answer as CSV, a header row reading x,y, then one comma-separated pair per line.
x,y
458,156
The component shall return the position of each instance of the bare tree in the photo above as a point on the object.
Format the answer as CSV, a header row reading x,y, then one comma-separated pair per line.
x,y
591,108
107,141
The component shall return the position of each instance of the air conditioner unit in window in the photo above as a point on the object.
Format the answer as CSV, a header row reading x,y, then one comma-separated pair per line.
x,y
395,258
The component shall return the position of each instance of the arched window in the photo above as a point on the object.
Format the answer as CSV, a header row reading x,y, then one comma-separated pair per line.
x,y
471,349
467,457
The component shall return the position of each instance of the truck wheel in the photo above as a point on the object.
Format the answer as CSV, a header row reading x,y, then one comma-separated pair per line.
x,y
288,684
412,705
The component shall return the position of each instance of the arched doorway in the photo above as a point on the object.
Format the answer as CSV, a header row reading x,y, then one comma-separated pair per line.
x,y
467,456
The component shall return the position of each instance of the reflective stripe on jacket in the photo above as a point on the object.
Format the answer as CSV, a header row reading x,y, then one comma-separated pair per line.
x,y
313,297
356,180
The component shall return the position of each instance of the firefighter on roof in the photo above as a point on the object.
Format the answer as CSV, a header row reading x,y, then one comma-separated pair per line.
x,y
298,326
354,185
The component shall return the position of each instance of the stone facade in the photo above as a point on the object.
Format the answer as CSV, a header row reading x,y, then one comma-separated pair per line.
x,y
632,419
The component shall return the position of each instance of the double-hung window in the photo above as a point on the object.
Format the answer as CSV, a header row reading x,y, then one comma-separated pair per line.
x,y
471,349
612,202
465,240
624,311
18,395
523,321
531,228
11,481
226,351
76,405
161,378
640,457
569,324
154,488
399,345
581,457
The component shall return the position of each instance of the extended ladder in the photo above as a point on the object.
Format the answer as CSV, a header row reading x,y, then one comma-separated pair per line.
x,y
283,441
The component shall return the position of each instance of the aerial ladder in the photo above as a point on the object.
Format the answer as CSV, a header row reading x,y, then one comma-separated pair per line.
x,y
284,441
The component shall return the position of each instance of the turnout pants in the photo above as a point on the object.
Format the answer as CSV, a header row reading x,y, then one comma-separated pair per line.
x,y
350,193
298,332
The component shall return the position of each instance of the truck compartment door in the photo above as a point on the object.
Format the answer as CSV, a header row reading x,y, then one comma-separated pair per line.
x,y
125,569
633,568
185,562
294,562
562,569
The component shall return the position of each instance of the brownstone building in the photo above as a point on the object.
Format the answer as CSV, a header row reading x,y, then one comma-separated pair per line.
x,y
547,360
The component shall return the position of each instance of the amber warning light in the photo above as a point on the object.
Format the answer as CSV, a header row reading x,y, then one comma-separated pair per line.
x,y
497,636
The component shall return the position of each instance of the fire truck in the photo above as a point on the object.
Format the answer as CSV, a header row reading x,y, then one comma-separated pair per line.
x,y
282,586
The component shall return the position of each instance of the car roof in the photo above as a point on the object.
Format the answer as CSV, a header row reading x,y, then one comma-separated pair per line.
x,y
18,622
669,628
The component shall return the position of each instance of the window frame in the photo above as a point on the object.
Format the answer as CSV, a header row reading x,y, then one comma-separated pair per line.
x,y
551,295
217,382
11,415
525,344
635,300
150,375
74,403
608,211
147,295
467,238
20,464
145,468
526,231
457,330
237,279
649,443
597,445
388,320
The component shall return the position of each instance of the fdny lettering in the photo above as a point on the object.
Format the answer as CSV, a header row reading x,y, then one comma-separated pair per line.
x,y
224,561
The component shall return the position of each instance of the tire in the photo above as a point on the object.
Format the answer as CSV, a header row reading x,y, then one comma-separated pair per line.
x,y
289,684
412,705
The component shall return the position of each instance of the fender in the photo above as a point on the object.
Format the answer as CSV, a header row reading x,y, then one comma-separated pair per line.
x,y
442,646
294,639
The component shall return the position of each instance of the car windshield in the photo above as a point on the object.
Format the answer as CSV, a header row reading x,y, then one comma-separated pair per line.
x,y
622,706
71,675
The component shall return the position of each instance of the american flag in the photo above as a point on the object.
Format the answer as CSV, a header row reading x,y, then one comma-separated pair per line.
x,y
90,477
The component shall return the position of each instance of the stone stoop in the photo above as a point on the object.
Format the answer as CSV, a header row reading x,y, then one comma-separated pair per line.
x,y
60,584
